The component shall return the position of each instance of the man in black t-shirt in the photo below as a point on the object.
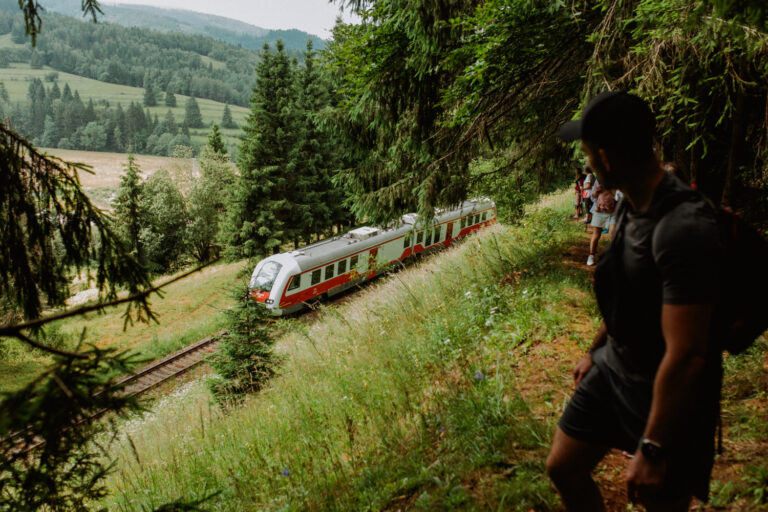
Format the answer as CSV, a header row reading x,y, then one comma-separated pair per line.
x,y
650,384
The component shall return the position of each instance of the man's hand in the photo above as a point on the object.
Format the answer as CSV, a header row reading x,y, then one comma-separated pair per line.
x,y
645,479
582,368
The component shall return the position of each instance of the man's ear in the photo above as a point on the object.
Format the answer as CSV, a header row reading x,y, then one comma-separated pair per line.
x,y
604,159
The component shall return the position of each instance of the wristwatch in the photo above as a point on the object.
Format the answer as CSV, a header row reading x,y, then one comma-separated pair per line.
x,y
652,450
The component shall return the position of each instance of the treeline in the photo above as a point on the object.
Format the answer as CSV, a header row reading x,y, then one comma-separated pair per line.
x,y
57,117
171,62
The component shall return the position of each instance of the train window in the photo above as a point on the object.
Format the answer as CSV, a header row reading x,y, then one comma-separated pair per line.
x,y
463,222
329,271
353,262
342,267
434,236
474,219
295,282
315,277
265,277
419,237
484,213
407,241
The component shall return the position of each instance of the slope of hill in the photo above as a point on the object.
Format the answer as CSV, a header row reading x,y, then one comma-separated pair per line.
x,y
436,389
189,22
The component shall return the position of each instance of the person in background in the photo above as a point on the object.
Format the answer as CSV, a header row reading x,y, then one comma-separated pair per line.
x,y
603,210
586,193
578,187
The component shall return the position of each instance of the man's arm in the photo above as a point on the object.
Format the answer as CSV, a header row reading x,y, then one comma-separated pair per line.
x,y
686,333
585,364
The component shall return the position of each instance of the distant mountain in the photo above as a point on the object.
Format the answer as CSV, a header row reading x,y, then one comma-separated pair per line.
x,y
188,22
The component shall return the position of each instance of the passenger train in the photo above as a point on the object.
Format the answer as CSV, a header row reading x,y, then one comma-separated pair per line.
x,y
285,282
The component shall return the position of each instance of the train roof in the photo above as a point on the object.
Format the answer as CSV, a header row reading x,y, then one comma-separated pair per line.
x,y
366,237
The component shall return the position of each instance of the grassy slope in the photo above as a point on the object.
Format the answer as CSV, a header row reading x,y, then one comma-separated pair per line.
x,y
408,396
189,310
436,389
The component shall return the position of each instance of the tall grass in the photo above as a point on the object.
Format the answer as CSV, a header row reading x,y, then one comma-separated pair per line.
x,y
405,396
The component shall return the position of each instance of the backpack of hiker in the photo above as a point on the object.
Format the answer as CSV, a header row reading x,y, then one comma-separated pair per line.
x,y
741,315
743,309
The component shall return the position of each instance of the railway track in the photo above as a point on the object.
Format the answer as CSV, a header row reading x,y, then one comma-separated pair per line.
x,y
143,380
170,366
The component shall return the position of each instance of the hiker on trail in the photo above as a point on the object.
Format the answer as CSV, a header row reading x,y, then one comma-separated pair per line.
x,y
602,217
650,383
586,194
578,186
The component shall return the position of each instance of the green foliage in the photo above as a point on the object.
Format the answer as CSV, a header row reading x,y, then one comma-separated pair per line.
x,y
164,221
40,200
128,208
67,472
263,202
244,361
150,98
207,204
226,119
192,116
215,142
170,98
425,84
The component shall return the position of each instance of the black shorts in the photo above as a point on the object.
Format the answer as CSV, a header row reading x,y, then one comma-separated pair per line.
x,y
588,204
597,414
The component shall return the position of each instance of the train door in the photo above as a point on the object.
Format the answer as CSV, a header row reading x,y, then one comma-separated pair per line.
x,y
372,262
448,232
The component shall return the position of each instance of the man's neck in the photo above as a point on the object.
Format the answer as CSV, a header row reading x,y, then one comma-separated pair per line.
x,y
639,190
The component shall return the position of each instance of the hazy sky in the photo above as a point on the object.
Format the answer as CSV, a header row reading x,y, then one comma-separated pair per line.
x,y
313,16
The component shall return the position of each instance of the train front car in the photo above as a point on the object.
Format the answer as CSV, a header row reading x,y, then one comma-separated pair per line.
x,y
269,280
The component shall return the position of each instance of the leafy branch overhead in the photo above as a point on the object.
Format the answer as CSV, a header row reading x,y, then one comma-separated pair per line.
x,y
49,227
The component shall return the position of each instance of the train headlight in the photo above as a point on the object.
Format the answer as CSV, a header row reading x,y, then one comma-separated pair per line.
x,y
269,301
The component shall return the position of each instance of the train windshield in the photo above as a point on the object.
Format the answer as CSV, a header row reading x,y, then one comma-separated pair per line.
x,y
265,278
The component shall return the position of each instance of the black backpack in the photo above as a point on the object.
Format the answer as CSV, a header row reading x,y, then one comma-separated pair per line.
x,y
742,314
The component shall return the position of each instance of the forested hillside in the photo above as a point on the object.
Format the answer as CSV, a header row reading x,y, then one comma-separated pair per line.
x,y
192,65
173,20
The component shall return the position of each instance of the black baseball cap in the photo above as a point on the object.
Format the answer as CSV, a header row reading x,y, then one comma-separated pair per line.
x,y
617,120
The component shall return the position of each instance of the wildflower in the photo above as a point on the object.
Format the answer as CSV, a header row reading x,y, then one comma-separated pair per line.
x,y
442,429
525,292
286,472
479,375
468,294
446,341
494,309
488,322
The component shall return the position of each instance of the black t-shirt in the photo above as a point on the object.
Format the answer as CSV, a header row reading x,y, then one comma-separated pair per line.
x,y
668,254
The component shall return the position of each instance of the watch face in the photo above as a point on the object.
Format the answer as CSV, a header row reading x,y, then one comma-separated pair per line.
x,y
651,450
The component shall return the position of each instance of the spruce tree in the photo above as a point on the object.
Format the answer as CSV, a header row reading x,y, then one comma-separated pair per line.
x,y
215,142
169,123
192,116
226,118
263,202
150,99
170,98
128,208
311,160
